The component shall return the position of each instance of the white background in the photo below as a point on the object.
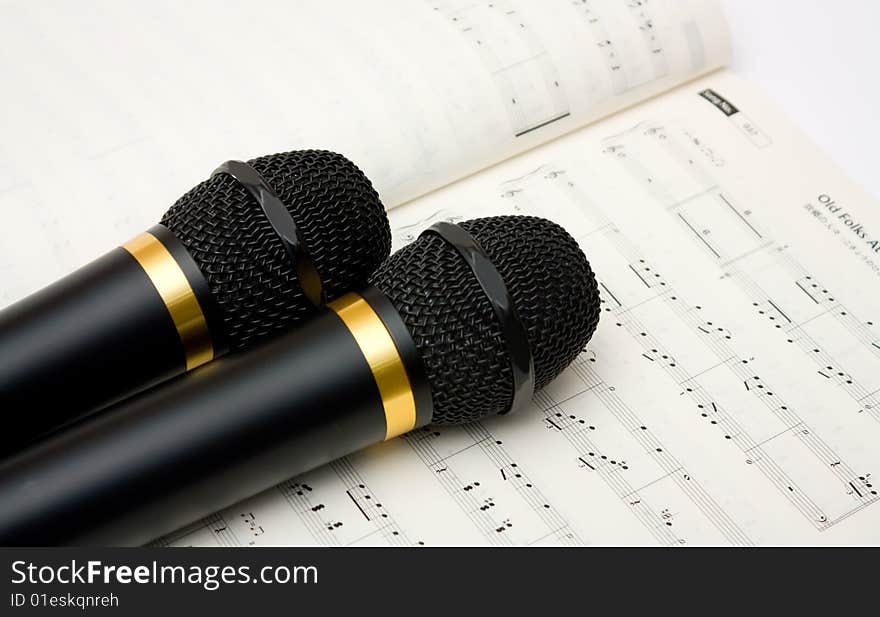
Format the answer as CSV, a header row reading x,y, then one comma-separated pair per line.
x,y
819,60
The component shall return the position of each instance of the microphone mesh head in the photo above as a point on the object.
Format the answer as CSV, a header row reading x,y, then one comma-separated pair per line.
x,y
455,328
343,224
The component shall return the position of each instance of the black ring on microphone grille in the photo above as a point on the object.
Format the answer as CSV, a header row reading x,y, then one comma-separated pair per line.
x,y
521,362
409,353
200,287
282,223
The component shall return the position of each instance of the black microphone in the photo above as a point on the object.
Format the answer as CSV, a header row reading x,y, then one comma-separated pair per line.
x,y
465,322
239,258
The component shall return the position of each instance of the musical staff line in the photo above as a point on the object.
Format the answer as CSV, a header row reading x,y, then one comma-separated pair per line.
x,y
525,76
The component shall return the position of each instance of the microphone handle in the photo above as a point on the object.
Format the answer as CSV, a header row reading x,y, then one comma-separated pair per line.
x,y
202,442
99,335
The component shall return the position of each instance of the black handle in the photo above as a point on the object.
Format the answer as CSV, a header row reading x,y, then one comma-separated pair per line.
x,y
141,314
88,340
199,443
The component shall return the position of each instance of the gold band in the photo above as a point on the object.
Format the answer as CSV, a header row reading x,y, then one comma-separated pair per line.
x,y
381,354
177,294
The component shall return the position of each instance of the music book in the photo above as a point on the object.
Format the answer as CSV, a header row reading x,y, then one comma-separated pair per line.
x,y
731,394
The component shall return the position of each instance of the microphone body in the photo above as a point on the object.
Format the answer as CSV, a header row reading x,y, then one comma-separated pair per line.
x,y
209,439
132,318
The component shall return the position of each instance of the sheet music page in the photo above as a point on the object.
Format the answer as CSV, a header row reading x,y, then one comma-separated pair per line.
x,y
730,395
115,109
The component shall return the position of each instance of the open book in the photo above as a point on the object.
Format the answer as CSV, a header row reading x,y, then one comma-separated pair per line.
x,y
731,394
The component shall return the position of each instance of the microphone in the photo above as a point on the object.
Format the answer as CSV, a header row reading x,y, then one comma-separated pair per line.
x,y
465,322
239,258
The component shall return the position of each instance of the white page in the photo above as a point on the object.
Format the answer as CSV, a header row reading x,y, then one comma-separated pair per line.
x,y
111,110
691,418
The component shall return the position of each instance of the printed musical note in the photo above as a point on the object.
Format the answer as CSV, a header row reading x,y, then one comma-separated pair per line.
x,y
250,520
